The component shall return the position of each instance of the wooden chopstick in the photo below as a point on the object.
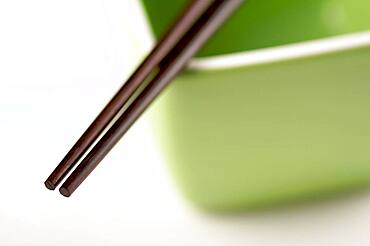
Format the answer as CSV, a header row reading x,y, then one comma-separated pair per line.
x,y
177,59
173,35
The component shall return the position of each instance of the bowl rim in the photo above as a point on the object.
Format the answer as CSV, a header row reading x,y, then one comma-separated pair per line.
x,y
279,53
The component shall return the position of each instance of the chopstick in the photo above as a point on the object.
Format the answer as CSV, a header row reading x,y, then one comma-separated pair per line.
x,y
178,58
164,46
208,22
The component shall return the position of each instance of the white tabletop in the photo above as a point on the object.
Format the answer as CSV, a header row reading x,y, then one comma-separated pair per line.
x,y
60,61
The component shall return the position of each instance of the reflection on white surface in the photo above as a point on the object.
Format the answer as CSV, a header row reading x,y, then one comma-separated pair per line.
x,y
60,62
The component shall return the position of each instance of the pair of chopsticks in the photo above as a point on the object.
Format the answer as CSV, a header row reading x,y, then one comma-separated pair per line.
x,y
187,35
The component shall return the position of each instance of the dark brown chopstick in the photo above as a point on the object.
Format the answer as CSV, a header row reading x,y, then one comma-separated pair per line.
x,y
170,39
177,59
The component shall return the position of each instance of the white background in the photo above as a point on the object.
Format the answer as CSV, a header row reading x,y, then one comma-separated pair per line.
x,y
60,61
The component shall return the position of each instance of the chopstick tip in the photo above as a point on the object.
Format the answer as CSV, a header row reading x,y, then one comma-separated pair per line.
x,y
64,191
49,185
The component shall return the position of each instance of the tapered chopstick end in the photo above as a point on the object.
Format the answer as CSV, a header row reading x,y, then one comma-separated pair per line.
x,y
64,191
49,185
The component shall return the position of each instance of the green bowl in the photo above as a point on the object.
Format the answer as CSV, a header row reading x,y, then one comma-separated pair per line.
x,y
286,118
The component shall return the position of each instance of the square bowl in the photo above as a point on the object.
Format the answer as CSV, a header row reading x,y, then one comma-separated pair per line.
x,y
285,119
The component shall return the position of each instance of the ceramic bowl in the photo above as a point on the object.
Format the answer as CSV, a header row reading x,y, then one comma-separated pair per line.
x,y
276,108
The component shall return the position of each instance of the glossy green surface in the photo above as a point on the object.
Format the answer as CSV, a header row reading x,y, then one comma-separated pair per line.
x,y
259,24
261,135
255,136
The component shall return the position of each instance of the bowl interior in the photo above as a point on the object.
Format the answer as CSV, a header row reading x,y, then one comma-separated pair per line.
x,y
261,24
